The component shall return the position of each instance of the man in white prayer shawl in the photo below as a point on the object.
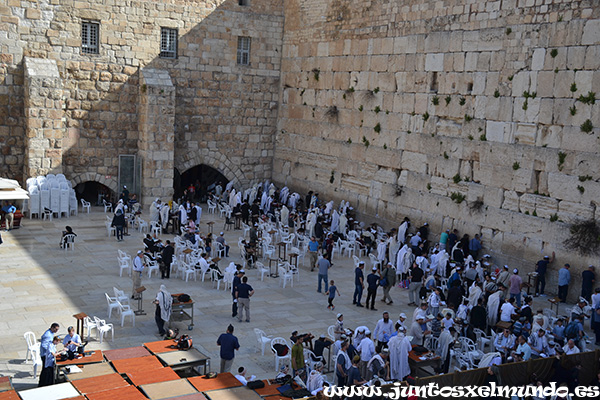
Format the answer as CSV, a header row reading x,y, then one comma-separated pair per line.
x,y
402,232
445,340
393,247
316,380
335,221
238,199
434,262
492,307
400,261
263,202
154,210
311,221
252,196
183,216
328,208
164,216
229,186
294,200
272,189
164,303
198,214
232,198
479,270
381,250
474,295
442,262
269,202
284,215
343,224
399,347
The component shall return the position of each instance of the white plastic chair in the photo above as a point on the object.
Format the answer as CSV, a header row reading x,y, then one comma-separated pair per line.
x,y
110,229
227,280
286,276
88,325
374,261
261,269
85,206
482,339
112,304
31,343
214,275
219,250
37,360
126,311
121,296
246,229
152,266
311,359
124,264
107,206
142,225
211,206
155,228
104,328
262,339
188,270
268,251
288,356
331,332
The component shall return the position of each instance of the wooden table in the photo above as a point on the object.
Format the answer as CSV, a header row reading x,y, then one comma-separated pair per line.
x,y
92,370
9,395
195,396
128,352
185,359
80,317
94,358
124,393
554,303
238,393
100,383
53,392
282,245
137,364
222,381
417,364
161,346
504,325
157,375
276,261
165,390
293,259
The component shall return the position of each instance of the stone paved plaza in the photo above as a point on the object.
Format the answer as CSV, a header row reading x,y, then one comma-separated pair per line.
x,y
42,284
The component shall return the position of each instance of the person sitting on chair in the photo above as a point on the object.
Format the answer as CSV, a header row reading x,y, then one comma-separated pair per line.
x,y
68,231
71,342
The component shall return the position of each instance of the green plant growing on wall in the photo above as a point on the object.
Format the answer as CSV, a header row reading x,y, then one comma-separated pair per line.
x,y
344,96
581,189
429,186
350,89
525,105
587,126
366,142
468,118
510,78
316,72
554,217
425,116
462,101
376,90
589,98
360,108
387,112
561,160
144,88
435,100
516,165
483,137
385,146
446,156
526,212
508,31
377,109
377,128
470,137
534,213
573,110
553,53
349,141
584,238
573,87
448,99
496,93
332,112
583,178
456,178
332,177
457,197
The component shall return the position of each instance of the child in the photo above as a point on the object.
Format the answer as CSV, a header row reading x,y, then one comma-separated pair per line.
x,y
331,292
436,325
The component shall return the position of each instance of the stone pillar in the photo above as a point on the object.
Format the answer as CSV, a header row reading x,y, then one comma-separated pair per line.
x,y
156,143
44,117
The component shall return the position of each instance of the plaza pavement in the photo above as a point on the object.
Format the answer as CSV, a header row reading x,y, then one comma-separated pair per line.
x,y
41,284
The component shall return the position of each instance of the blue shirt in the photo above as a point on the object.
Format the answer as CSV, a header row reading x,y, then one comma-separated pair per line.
x,y
475,244
353,375
332,290
47,338
244,290
372,280
564,277
229,344
74,338
9,209
235,283
358,275
313,246
542,267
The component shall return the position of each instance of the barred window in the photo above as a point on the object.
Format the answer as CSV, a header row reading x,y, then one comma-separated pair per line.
x,y
243,50
168,43
90,32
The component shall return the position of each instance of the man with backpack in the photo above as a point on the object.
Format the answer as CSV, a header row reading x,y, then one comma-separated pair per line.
x,y
574,330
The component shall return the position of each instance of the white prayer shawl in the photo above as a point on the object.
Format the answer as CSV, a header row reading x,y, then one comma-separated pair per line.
x,y
492,308
164,216
269,202
247,193
434,263
348,362
381,250
282,193
284,214
198,214
422,262
462,312
238,198
231,267
313,201
375,357
183,216
229,186
479,270
343,224
263,202
311,221
120,206
399,348
232,198
474,295
344,207
315,381
442,261
402,232
335,221
165,302
409,258
252,196
393,248
154,211
294,200
487,359
271,189
400,260
444,341
358,337
419,312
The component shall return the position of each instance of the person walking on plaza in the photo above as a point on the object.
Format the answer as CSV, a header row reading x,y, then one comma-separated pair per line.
x,y
388,280
118,222
313,249
229,344
136,275
541,268
416,282
323,266
372,284
9,215
243,294
331,292
166,260
359,284
564,278
164,307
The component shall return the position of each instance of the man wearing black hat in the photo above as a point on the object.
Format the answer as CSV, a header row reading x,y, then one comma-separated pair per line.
x,y
541,268
229,344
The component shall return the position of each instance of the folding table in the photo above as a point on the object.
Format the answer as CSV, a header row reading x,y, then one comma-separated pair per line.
x,y
184,359
92,370
221,381
165,390
137,364
156,375
128,352
124,393
100,383
53,392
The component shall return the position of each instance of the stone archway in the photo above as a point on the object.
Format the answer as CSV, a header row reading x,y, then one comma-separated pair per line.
x,y
111,183
216,160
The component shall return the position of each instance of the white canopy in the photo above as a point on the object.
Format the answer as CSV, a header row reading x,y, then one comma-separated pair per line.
x,y
11,190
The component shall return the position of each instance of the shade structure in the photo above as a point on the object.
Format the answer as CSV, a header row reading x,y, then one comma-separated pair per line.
x,y
11,190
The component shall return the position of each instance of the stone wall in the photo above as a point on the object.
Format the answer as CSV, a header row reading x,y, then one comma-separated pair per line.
x,y
222,109
402,106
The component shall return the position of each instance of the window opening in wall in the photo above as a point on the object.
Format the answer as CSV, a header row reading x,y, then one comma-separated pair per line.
x,y
243,2
470,87
243,50
168,43
90,33
434,82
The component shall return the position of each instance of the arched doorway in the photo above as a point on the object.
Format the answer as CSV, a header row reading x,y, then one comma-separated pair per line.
x,y
94,192
203,177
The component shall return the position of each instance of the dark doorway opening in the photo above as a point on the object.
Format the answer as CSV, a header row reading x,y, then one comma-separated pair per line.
x,y
202,177
94,192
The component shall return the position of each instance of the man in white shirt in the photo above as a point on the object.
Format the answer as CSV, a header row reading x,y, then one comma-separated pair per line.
x,y
417,332
505,342
71,341
448,322
241,376
136,276
507,310
539,344
367,351
570,347
383,330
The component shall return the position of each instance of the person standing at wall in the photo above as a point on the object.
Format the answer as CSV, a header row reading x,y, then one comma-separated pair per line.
x,y
541,268
564,278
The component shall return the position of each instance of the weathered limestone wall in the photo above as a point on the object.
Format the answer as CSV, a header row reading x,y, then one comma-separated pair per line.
x,y
226,114
404,104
